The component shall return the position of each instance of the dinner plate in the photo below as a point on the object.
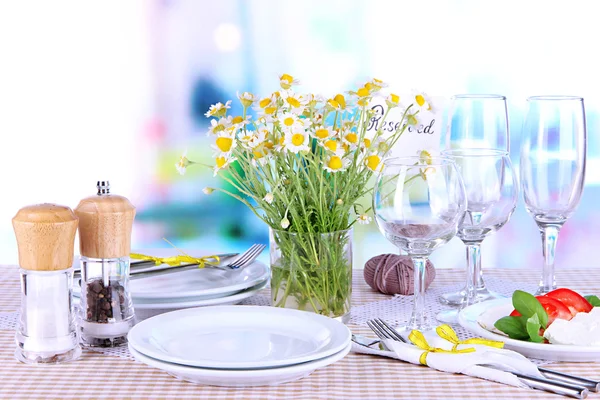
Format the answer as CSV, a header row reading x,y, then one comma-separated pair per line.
x,y
239,378
239,337
195,283
480,318
165,304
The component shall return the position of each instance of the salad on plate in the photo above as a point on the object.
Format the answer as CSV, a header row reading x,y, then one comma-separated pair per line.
x,y
561,316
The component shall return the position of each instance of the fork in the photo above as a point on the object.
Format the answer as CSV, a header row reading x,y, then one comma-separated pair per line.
x,y
384,331
239,262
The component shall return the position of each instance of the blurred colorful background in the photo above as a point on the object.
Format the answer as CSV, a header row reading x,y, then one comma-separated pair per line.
x,y
117,90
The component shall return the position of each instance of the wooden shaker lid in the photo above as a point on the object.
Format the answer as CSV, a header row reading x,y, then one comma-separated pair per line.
x,y
105,223
45,237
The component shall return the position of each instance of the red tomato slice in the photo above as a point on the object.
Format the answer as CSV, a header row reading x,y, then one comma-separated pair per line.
x,y
554,308
573,300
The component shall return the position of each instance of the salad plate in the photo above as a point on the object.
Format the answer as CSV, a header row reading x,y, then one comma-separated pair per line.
x,y
239,378
480,318
239,337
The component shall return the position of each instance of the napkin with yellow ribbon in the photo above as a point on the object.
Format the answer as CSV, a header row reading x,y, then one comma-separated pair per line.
x,y
442,350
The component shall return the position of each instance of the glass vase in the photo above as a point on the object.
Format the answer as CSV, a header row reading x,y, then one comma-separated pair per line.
x,y
312,271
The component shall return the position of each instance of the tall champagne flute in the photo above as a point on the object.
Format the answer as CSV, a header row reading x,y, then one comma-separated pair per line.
x,y
492,192
476,121
418,204
553,169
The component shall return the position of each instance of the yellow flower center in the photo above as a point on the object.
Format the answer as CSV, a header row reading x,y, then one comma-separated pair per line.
x,y
395,98
269,145
237,120
363,102
368,86
331,145
264,102
219,128
321,133
372,162
220,161
340,100
297,139
367,142
258,154
287,78
352,137
335,163
420,100
293,102
289,121
363,92
333,103
224,144
270,110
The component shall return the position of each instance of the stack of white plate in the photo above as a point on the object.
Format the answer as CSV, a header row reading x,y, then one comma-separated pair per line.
x,y
239,345
194,288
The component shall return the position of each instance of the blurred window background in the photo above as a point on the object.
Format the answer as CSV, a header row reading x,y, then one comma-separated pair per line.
x,y
117,90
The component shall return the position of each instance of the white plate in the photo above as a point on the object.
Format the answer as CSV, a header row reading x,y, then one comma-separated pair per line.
x,y
480,318
239,337
140,304
239,378
195,283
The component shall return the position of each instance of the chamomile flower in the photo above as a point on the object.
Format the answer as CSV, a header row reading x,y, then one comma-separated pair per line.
x,y
425,157
292,102
311,100
333,146
362,96
322,132
375,84
349,138
422,101
286,81
269,198
363,219
338,103
336,164
218,110
247,99
240,121
265,102
393,100
208,190
183,163
260,155
224,143
258,138
297,140
222,162
372,162
285,223
220,125
290,121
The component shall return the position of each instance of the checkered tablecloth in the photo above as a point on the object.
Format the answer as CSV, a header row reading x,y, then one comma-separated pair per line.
x,y
354,377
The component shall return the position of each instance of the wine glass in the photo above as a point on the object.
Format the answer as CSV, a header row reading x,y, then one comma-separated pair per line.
x,y
492,192
418,203
478,121
553,169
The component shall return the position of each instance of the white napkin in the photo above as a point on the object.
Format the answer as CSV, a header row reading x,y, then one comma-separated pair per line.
x,y
461,363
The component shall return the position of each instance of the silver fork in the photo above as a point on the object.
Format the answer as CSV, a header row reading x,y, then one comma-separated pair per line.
x,y
569,385
384,331
240,261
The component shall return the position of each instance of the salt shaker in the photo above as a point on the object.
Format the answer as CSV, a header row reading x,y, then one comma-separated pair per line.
x,y
46,331
106,311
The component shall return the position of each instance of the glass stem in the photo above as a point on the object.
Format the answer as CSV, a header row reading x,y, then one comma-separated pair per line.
x,y
549,238
473,272
419,320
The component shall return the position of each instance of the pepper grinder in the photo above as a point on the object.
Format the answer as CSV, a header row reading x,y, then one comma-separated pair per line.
x,y
106,311
46,332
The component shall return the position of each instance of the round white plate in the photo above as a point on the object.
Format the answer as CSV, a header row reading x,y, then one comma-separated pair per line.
x,y
480,318
239,337
140,304
195,283
240,378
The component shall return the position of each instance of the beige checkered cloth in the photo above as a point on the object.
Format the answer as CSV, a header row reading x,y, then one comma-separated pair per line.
x,y
355,377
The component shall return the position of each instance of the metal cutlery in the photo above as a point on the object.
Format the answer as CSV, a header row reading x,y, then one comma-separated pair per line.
x,y
556,382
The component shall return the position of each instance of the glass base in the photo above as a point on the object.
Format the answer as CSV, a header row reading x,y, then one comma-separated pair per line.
x,y
32,357
112,334
448,316
542,290
458,298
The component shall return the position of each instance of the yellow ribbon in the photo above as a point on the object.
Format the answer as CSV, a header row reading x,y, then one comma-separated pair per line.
x,y
446,332
419,340
178,260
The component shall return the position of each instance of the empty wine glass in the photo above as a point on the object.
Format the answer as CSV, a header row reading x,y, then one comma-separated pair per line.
x,y
476,121
553,169
418,204
492,192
